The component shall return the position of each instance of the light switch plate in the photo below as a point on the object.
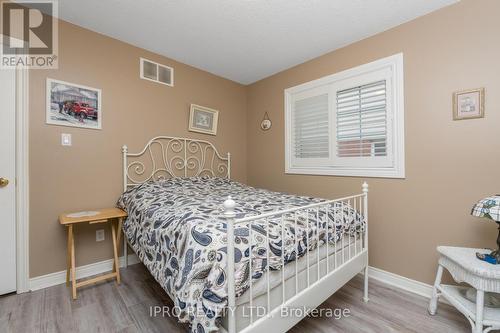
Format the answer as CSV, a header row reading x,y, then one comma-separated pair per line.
x,y
66,139
99,235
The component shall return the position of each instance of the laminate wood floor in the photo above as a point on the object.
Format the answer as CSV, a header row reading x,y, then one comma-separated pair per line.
x,y
106,307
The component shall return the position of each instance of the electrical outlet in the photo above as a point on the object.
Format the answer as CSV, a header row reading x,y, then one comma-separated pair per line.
x,y
99,235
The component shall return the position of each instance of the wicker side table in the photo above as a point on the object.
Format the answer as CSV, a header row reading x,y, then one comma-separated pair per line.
x,y
484,277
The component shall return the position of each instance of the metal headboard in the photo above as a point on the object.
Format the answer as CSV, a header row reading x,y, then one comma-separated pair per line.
x,y
170,157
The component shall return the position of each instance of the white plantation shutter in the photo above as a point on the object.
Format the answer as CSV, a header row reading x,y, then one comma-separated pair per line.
x,y
349,123
310,127
361,126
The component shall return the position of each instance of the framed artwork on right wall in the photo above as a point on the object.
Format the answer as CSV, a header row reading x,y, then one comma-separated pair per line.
x,y
468,104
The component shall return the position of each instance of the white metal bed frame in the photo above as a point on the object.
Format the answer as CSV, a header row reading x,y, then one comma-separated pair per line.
x,y
183,157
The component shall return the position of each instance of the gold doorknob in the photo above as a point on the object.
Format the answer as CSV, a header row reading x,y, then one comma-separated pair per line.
x,y
4,182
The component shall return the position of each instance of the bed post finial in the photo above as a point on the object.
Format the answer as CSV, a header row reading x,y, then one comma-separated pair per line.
x,y
124,149
229,213
229,206
365,187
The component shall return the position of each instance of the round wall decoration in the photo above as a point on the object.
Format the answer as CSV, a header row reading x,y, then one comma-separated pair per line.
x,y
266,123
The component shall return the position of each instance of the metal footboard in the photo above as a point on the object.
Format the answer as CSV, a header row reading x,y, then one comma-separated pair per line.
x,y
331,274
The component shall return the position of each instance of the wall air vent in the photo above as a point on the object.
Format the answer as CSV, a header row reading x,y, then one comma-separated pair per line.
x,y
156,72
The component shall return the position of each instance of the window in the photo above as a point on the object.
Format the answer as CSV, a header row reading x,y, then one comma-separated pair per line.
x,y
153,71
348,124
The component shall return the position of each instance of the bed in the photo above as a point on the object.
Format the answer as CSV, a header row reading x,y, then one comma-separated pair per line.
x,y
230,256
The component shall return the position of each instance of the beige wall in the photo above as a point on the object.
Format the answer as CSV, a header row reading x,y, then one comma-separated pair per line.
x,y
449,164
88,174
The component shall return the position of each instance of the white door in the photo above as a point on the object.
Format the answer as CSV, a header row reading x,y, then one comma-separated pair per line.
x,y
7,180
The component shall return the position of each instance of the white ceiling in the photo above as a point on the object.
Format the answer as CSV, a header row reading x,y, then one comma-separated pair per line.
x,y
243,40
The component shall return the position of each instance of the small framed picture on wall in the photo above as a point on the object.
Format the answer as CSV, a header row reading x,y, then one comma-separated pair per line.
x,y
203,119
468,104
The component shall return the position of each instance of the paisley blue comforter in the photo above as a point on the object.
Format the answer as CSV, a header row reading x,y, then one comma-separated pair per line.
x,y
176,227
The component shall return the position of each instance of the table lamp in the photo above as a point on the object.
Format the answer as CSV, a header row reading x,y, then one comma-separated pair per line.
x,y
490,208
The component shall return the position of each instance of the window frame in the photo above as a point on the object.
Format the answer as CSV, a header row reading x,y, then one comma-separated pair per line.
x,y
392,66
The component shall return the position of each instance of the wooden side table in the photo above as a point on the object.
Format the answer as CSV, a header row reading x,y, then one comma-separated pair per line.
x,y
70,220
484,277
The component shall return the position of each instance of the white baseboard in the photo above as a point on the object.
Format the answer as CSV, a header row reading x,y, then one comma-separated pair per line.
x,y
400,282
53,279
404,283
56,278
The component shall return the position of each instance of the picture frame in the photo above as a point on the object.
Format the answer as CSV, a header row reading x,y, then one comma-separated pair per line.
x,y
73,105
203,119
468,104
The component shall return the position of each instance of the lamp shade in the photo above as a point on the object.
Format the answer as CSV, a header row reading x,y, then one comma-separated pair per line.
x,y
488,207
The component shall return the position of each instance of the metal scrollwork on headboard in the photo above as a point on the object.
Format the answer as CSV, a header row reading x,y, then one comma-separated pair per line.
x,y
169,157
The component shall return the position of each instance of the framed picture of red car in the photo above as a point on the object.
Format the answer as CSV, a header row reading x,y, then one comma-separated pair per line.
x,y
70,104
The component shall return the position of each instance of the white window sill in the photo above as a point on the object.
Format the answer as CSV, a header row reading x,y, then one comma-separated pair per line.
x,y
348,172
